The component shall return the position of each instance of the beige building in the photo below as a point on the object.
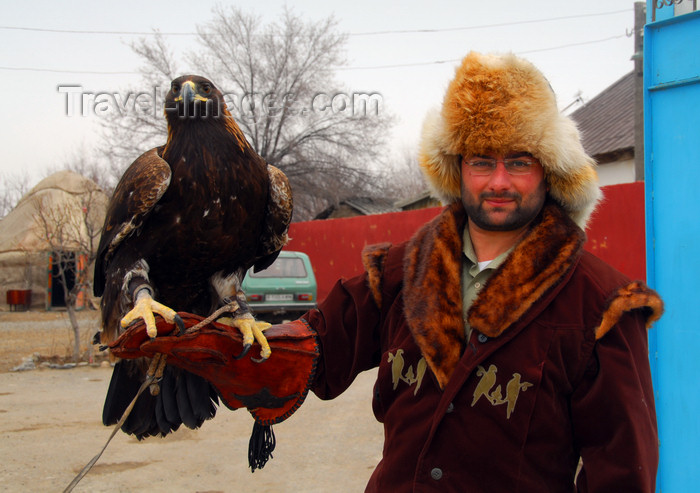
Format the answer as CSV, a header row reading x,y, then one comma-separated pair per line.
x,y
26,267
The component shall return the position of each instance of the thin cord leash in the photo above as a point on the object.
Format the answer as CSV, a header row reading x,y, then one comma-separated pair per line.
x,y
229,308
151,378
88,466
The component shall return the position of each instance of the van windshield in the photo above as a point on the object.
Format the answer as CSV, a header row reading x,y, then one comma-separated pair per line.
x,y
283,267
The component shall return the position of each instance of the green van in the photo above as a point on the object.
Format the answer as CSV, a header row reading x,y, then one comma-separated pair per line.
x,y
283,291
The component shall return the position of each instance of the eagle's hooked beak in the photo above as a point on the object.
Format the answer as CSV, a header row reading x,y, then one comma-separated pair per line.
x,y
188,93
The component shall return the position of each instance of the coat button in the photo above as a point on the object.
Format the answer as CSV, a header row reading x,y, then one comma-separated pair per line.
x,y
482,338
450,408
436,473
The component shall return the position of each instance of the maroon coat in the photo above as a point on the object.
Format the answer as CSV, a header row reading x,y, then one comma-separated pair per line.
x,y
556,367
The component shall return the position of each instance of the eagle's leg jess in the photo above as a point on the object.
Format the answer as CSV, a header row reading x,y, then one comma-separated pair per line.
x,y
145,307
251,329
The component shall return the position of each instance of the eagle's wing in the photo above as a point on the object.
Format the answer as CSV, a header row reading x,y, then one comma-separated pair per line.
x,y
277,219
140,188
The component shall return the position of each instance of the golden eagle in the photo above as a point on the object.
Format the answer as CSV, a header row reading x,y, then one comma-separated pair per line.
x,y
185,223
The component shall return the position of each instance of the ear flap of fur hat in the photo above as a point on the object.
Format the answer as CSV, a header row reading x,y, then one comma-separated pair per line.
x,y
499,104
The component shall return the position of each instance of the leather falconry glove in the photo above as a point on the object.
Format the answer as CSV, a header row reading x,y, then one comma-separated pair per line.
x,y
271,390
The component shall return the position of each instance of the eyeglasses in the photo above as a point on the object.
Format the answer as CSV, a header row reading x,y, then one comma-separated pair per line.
x,y
518,166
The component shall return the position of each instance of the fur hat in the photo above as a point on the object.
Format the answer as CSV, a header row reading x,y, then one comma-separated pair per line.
x,y
499,104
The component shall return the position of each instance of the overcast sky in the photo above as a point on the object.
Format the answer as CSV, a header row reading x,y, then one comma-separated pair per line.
x,y
406,51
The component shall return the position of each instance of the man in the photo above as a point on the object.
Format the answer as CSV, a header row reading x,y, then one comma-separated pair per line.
x,y
509,359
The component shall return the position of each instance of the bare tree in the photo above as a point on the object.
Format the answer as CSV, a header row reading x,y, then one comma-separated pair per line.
x,y
401,177
127,134
13,188
279,84
72,231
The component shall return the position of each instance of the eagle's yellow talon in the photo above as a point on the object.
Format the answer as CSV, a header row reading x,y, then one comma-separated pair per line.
x,y
251,330
144,308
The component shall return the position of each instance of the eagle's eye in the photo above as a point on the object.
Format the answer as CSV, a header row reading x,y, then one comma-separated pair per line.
x,y
175,87
206,88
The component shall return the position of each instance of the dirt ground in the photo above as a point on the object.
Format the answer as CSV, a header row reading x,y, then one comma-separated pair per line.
x,y
50,428
48,334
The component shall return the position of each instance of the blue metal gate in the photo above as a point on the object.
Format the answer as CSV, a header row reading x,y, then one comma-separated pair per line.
x,y
672,175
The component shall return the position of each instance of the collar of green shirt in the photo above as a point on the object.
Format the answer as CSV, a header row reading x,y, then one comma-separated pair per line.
x,y
474,278
470,255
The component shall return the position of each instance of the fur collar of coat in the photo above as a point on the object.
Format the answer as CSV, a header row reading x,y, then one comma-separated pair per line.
x,y
539,262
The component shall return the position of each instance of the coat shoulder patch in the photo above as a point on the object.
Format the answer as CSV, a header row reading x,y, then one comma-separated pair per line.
x,y
634,296
373,258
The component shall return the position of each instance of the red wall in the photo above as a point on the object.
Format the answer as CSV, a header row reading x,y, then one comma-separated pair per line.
x,y
615,234
616,230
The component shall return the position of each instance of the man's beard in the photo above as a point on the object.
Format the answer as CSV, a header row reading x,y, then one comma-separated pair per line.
x,y
518,218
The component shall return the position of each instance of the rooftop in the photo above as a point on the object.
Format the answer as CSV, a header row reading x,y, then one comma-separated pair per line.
x,y
606,122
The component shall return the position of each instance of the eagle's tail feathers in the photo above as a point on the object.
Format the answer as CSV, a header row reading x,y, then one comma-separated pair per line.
x,y
183,403
165,426
122,388
183,398
142,420
168,399
199,393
